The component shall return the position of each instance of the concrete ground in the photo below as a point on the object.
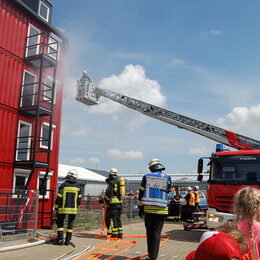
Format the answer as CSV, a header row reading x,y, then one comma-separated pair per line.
x,y
177,247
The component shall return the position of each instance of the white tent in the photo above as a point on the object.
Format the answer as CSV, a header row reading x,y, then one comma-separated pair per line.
x,y
83,173
93,183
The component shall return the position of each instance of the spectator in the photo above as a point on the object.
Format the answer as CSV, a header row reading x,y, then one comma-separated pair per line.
x,y
216,246
176,201
247,209
235,233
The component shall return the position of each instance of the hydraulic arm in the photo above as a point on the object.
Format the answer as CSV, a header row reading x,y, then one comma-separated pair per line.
x,y
89,94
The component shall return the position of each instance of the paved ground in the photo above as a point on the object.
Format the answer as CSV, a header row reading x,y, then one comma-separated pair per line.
x,y
179,245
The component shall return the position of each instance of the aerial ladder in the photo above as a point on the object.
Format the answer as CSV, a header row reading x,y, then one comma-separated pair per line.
x,y
89,94
229,170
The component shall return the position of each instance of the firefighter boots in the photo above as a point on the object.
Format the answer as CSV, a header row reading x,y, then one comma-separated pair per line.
x,y
68,238
59,240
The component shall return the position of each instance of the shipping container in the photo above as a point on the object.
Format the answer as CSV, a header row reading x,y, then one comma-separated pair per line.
x,y
31,58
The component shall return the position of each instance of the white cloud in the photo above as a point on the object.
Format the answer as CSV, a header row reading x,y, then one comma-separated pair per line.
x,y
242,90
119,154
134,83
177,62
200,151
244,119
211,32
94,160
216,32
78,160
80,132
131,56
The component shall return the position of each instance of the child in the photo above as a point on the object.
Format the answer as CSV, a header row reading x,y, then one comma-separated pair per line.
x,y
247,208
235,233
216,246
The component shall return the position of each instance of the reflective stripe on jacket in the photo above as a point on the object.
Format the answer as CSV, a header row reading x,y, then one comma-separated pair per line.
x,y
197,197
112,193
190,199
156,210
68,197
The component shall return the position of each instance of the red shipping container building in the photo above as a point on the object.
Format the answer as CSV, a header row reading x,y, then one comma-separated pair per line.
x,y
31,86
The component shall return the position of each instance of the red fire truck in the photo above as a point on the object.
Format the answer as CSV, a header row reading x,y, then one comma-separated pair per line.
x,y
229,170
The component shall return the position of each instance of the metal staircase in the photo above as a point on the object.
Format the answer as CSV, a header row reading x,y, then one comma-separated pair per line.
x,y
37,104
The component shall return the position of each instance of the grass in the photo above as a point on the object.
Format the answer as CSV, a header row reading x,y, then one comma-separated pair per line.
x,y
90,219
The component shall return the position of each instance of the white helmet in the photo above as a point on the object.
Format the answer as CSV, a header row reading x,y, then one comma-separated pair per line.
x,y
155,165
189,188
85,73
153,162
72,173
196,187
113,171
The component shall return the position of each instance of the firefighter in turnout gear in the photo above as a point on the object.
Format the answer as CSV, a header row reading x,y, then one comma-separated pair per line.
x,y
152,201
113,198
67,203
197,198
197,202
190,205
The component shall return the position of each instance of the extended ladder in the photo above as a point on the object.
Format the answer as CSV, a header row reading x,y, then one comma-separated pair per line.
x,y
89,94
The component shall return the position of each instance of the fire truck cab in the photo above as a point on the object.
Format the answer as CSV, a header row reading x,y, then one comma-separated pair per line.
x,y
229,172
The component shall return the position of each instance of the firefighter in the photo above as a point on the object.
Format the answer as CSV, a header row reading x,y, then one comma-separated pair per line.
x,y
196,201
152,202
67,203
113,198
190,205
176,200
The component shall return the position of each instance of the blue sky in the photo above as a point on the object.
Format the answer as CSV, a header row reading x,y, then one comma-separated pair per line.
x,y
198,58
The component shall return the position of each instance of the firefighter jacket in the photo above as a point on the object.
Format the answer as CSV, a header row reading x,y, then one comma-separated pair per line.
x,y
197,197
190,199
112,193
153,193
68,197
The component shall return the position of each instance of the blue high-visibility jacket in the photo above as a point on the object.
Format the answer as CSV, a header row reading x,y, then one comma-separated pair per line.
x,y
156,190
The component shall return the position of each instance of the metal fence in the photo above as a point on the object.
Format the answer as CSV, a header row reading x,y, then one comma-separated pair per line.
x,y
18,213
91,212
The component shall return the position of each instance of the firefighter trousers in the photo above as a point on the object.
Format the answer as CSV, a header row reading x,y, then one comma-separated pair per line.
x,y
153,224
60,222
114,218
176,208
190,217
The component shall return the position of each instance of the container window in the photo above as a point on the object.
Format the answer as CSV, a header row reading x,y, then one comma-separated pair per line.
x,y
44,11
28,90
45,135
53,46
19,181
44,193
48,90
33,41
24,141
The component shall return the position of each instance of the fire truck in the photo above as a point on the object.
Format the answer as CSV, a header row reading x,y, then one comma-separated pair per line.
x,y
229,171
